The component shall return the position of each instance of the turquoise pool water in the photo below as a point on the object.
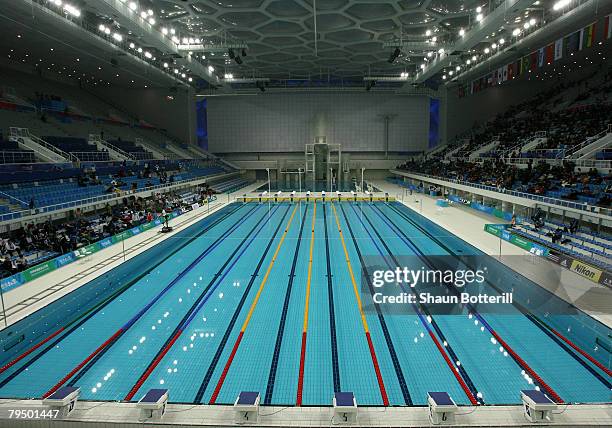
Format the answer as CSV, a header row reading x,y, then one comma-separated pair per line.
x,y
220,309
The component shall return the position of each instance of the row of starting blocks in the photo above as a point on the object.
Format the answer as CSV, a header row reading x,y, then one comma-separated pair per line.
x,y
537,407
310,196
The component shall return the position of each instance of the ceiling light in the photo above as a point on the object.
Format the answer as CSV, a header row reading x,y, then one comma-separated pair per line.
x,y
151,21
72,10
150,12
434,39
190,79
494,45
450,73
478,9
458,68
441,51
107,30
132,45
183,75
211,68
526,25
502,41
561,4
462,32
118,37
164,31
143,15
148,55
428,33
468,62
474,58
532,21
479,17
429,54
101,27
422,66
172,31
139,50
444,76
516,32
487,50
165,65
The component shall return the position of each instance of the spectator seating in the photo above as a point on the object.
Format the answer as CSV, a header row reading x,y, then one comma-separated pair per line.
x,y
78,147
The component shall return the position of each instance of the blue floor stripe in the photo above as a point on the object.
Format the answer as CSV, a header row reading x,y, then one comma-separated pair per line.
x,y
332,315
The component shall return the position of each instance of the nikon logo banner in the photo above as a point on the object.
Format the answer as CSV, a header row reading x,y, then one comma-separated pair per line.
x,y
585,270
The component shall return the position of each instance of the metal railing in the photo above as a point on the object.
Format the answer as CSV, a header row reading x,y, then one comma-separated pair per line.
x,y
589,140
17,156
91,156
102,198
17,133
582,206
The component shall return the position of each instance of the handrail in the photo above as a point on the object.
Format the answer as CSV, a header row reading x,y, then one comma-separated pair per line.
x,y
12,197
116,149
589,140
51,147
546,199
107,197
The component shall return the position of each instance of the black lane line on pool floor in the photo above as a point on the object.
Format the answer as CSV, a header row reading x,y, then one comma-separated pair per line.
x,y
383,323
283,319
114,296
540,324
332,316
230,327
193,307
435,325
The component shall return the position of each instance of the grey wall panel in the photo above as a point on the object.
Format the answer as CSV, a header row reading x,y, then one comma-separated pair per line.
x,y
286,122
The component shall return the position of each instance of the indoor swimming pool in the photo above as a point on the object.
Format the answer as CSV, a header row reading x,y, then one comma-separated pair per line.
x,y
270,298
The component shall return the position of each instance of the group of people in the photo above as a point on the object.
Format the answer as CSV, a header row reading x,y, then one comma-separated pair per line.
x,y
39,241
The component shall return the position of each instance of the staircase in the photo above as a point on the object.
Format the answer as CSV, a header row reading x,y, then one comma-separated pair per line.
x,y
115,153
592,145
484,148
42,150
151,148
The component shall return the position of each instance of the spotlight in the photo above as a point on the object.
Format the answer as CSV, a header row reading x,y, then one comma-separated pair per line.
x,y
394,55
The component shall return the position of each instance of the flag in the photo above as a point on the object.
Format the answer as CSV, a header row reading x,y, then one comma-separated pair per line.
x,y
571,43
524,64
505,73
541,57
558,49
500,75
587,36
533,61
607,27
550,53
511,70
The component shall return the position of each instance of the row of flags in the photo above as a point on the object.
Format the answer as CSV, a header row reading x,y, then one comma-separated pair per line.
x,y
561,48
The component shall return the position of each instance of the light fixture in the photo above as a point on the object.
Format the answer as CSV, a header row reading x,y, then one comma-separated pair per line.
x,y
441,51
132,45
561,4
151,21
479,17
147,54
478,9
526,25
458,68
211,68
133,5
532,21
190,79
474,58
118,37
462,32
494,45
164,31
468,62
444,77
165,65
143,15
428,33
487,50
434,39
502,41
429,54
516,32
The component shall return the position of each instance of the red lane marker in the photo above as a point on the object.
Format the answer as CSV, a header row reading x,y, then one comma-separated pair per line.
x,y
583,353
150,369
464,386
29,351
381,385
529,370
82,363
215,394
298,400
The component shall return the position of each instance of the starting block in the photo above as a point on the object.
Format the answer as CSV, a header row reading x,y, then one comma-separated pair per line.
x,y
246,407
153,404
442,408
63,400
537,406
345,407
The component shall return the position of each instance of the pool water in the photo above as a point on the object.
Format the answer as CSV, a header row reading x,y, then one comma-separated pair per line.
x,y
267,298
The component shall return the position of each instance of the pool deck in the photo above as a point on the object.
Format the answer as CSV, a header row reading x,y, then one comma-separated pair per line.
x,y
584,294
117,415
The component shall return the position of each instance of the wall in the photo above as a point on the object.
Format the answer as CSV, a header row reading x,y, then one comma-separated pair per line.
x,y
177,116
286,122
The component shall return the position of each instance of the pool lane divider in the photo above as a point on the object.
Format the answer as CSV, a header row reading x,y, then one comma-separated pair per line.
x,y
245,324
332,315
547,329
300,386
459,371
230,327
126,326
364,322
281,327
214,283
501,341
83,317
